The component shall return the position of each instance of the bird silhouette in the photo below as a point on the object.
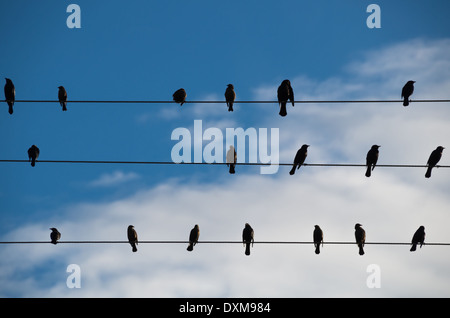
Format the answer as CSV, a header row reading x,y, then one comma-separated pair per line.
x,y
231,159
193,237
433,160
132,237
33,154
62,96
299,159
247,238
317,238
418,237
360,236
407,91
230,96
180,96
371,159
54,235
284,94
10,94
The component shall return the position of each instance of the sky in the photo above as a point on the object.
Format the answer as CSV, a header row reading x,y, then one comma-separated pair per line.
x,y
145,50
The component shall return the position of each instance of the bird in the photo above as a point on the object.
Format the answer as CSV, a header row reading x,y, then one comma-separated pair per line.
x,y
62,96
193,237
33,154
407,91
247,238
360,236
10,94
371,159
132,237
231,159
318,238
230,96
299,159
418,237
434,158
180,96
54,235
285,93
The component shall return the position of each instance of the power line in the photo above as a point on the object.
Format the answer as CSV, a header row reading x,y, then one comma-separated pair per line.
x,y
221,242
236,102
217,163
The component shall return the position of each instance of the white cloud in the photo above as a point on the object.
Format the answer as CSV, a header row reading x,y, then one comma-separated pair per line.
x,y
113,179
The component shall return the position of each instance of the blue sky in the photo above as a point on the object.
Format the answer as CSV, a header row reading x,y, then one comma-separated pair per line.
x,y
145,50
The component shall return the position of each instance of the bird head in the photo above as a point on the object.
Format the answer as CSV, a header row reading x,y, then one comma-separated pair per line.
x,y
357,225
230,85
376,146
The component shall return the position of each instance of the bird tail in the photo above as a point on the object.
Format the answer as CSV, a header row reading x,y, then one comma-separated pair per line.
x,y
368,171
405,101
230,106
361,249
190,248
232,171
10,110
134,247
413,247
428,173
317,248
292,172
64,106
283,111
247,249
33,162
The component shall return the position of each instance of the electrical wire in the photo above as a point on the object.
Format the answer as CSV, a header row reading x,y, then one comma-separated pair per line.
x,y
236,101
221,242
218,163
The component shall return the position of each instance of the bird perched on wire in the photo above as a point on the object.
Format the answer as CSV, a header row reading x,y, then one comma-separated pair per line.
x,y
132,237
179,96
433,160
247,238
299,159
193,237
371,159
284,94
230,96
418,237
62,97
10,94
54,235
407,91
317,238
33,154
231,159
360,236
